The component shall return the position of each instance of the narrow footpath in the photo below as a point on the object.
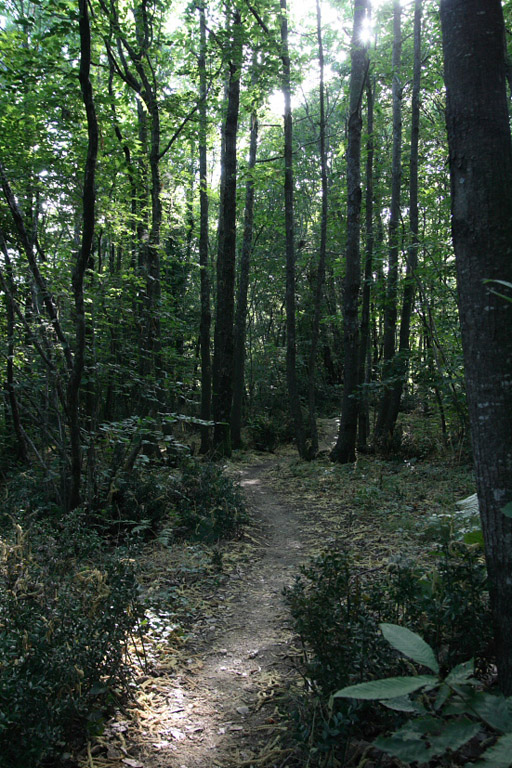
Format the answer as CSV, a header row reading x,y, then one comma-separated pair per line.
x,y
226,709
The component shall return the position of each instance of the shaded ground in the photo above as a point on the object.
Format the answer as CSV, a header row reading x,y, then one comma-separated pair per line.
x,y
218,697
223,709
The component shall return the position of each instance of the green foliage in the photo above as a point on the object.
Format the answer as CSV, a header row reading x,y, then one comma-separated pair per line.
x,y
336,609
66,609
332,611
208,504
441,723
263,432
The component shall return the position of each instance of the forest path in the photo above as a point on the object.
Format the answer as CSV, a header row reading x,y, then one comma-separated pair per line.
x,y
231,706
223,704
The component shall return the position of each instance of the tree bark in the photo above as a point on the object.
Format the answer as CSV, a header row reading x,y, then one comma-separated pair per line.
x,y
291,342
226,258
83,256
206,316
383,431
345,449
402,360
364,369
8,286
320,272
245,263
481,182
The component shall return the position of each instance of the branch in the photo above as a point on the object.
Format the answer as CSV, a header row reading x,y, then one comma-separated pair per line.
x,y
38,277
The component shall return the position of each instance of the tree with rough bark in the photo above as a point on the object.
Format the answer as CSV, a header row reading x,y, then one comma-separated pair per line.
x,y
345,449
383,428
290,302
481,183
222,370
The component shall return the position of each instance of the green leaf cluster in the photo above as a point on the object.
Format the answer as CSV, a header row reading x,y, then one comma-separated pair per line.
x,y
439,724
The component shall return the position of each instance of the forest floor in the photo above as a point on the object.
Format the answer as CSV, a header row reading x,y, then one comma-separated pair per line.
x,y
219,678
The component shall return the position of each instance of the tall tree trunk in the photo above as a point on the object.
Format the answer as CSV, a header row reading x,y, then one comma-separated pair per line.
x,y
206,317
402,359
481,182
345,449
364,369
226,258
291,344
241,307
383,429
8,286
320,273
83,256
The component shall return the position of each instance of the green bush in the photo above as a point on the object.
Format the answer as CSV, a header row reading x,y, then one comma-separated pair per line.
x,y
139,503
208,504
263,434
66,608
446,712
337,609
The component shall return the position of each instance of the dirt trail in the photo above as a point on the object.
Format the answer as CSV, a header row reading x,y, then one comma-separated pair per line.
x,y
245,662
224,712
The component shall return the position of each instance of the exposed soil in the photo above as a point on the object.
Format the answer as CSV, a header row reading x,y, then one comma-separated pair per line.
x,y
220,696
224,708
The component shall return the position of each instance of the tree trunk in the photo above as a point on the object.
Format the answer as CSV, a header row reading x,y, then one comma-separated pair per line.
x,y
402,360
8,286
364,369
241,307
345,449
84,254
320,273
481,183
291,344
226,258
206,317
383,430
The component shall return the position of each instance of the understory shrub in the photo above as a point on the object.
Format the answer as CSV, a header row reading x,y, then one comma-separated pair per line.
x,y
208,505
67,606
197,501
336,610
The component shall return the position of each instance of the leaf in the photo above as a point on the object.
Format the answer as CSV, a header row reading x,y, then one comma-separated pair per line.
x,y
411,750
442,697
387,688
426,737
499,755
461,672
453,734
401,704
411,645
507,509
474,537
493,710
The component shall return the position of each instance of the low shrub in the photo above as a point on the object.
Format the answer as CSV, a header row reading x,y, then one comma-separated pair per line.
x,y
208,505
66,609
336,609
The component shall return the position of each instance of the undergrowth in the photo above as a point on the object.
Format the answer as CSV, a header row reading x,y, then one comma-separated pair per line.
x,y
67,608
70,601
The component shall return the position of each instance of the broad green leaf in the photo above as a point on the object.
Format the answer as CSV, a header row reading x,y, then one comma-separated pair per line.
x,y
411,645
474,537
401,704
492,709
442,697
453,734
499,755
461,672
411,750
387,688
507,509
